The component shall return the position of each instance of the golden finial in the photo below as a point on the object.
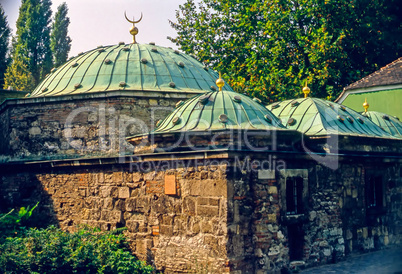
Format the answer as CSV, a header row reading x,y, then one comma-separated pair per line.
x,y
220,83
365,105
306,90
134,29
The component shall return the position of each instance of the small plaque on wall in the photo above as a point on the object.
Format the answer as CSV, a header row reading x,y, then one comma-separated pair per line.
x,y
170,184
155,230
265,174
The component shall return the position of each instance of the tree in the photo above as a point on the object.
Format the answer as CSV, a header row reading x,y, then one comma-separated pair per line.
x,y
18,76
4,45
270,48
32,46
59,39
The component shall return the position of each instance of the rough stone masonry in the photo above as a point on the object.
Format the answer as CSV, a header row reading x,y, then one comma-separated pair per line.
x,y
219,217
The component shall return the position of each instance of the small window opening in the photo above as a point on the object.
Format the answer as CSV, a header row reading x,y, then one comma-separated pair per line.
x,y
374,192
294,195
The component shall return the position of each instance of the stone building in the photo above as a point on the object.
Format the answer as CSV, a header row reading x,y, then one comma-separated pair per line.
x,y
364,177
87,106
221,183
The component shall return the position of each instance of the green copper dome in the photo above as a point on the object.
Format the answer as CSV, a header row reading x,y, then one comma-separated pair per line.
x,y
219,110
317,117
388,123
134,67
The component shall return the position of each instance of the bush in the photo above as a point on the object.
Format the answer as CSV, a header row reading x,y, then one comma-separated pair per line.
x,y
12,222
13,218
52,250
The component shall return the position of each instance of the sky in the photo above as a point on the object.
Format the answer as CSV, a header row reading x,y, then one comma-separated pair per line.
x,y
102,22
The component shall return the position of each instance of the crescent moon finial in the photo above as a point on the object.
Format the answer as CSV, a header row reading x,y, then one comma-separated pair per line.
x,y
125,15
134,29
138,20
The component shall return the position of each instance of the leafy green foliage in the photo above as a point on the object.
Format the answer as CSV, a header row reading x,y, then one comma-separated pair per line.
x,y
18,76
32,43
60,42
270,48
4,45
34,48
14,222
20,218
52,250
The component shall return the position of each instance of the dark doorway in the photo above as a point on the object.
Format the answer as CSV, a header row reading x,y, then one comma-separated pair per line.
x,y
296,242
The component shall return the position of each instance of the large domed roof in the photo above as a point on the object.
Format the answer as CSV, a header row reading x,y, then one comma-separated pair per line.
x,y
134,67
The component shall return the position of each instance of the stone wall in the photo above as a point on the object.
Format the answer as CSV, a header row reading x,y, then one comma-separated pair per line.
x,y
345,192
4,132
219,215
83,127
335,221
183,231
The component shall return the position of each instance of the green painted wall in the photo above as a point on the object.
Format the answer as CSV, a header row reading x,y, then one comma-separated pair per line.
x,y
386,101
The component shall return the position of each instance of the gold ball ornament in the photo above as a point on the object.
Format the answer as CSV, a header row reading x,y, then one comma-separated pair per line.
x,y
134,30
220,83
306,91
365,105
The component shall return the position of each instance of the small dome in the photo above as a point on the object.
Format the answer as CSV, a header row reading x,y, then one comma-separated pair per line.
x,y
313,116
219,110
388,123
133,67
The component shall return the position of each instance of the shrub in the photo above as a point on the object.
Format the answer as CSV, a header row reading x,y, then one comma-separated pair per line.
x,y
12,218
12,222
52,250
